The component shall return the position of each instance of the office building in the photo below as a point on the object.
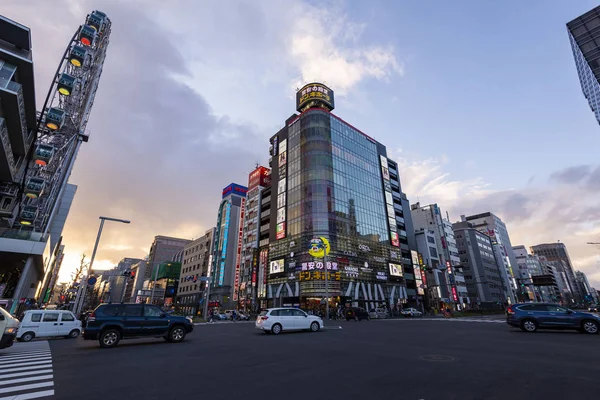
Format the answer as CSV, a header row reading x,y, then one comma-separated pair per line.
x,y
193,279
336,193
435,237
558,252
480,267
227,248
163,248
254,233
536,278
590,295
584,36
495,228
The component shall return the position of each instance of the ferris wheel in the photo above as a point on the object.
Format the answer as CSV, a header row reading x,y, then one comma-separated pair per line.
x,y
62,123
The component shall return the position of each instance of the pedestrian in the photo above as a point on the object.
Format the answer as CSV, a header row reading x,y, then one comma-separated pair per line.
x,y
233,315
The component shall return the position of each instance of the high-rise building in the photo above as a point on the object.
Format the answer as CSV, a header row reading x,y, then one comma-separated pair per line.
x,y
536,277
584,36
480,266
227,249
446,280
254,233
495,228
195,266
590,295
336,194
558,252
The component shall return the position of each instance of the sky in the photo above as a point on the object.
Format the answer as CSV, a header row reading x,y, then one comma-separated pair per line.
x,y
478,102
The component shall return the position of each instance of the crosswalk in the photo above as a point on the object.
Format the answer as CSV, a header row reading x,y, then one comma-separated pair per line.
x,y
464,319
26,371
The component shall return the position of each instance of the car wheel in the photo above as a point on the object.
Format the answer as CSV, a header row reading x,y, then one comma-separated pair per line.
x,y
314,327
529,325
27,337
109,338
73,334
276,329
176,334
590,327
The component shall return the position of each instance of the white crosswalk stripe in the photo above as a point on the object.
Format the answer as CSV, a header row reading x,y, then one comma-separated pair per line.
x,y
26,371
460,319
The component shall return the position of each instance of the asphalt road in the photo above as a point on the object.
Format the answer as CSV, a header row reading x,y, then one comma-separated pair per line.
x,y
363,360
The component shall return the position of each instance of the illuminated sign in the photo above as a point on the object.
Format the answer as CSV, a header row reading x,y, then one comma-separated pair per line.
x,y
234,188
314,94
239,250
382,276
318,276
282,158
396,270
263,260
454,294
332,266
276,266
395,240
280,230
283,146
261,176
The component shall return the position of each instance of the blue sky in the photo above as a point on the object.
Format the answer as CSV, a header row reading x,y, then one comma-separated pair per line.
x,y
478,101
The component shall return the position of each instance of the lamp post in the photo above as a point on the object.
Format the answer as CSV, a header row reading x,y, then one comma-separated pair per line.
x,y
83,286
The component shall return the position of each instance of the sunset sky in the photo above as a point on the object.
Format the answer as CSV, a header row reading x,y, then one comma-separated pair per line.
x,y
479,102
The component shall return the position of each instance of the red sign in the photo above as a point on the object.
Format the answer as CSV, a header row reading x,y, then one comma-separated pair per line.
x,y
424,278
261,176
449,267
239,250
395,240
454,293
254,266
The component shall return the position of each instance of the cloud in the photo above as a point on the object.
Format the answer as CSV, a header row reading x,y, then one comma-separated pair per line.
x,y
172,122
534,214
324,46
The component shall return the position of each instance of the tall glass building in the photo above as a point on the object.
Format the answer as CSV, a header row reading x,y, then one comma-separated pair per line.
x,y
332,181
584,35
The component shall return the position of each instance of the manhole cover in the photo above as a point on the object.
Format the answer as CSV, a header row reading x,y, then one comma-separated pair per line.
x,y
437,358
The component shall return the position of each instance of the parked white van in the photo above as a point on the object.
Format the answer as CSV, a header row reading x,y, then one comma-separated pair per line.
x,y
8,328
48,323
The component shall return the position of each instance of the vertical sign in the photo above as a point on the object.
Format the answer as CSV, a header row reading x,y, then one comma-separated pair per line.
x,y
262,274
238,259
385,173
254,266
282,190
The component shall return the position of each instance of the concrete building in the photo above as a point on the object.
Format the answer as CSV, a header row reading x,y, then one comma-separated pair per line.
x,y
558,252
446,273
495,228
195,266
136,281
584,36
227,248
254,232
589,293
482,273
164,248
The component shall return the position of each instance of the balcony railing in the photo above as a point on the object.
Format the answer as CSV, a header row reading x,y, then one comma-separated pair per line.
x,y
23,235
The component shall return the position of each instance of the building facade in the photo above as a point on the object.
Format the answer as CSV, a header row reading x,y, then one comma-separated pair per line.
x,y
337,195
448,282
195,267
590,295
479,265
163,248
254,233
558,252
227,248
584,36
495,228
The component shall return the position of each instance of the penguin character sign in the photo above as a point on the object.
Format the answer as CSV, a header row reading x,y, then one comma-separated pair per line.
x,y
319,247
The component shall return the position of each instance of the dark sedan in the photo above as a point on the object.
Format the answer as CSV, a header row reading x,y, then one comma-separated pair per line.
x,y
533,316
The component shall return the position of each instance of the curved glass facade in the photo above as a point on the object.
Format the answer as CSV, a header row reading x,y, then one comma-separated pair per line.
x,y
335,190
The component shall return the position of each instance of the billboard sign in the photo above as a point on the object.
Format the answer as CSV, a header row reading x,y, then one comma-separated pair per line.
x,y
315,93
396,270
236,189
261,176
276,266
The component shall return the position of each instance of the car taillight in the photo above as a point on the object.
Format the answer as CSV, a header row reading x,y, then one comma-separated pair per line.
x,y
92,317
264,318
510,310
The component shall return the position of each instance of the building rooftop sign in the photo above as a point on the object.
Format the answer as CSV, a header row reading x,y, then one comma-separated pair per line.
x,y
314,95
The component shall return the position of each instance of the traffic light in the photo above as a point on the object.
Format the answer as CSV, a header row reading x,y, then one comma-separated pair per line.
x,y
132,275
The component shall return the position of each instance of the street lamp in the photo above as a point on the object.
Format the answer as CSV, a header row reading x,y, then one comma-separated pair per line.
x,y
83,286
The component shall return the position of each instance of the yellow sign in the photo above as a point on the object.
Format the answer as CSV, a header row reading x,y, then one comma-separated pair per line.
x,y
314,91
319,247
318,276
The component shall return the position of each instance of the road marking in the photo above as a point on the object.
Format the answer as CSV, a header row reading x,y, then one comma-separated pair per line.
x,y
459,319
26,371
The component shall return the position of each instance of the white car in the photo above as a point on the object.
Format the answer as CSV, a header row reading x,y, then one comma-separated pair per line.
x,y
276,320
45,323
411,312
378,313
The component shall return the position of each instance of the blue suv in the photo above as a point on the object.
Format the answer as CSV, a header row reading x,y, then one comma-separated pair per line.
x,y
533,316
109,323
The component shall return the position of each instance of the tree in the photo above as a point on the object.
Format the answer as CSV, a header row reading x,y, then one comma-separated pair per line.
x,y
78,273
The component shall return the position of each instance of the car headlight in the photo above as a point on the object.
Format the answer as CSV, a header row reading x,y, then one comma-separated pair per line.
x,y
190,319
10,330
